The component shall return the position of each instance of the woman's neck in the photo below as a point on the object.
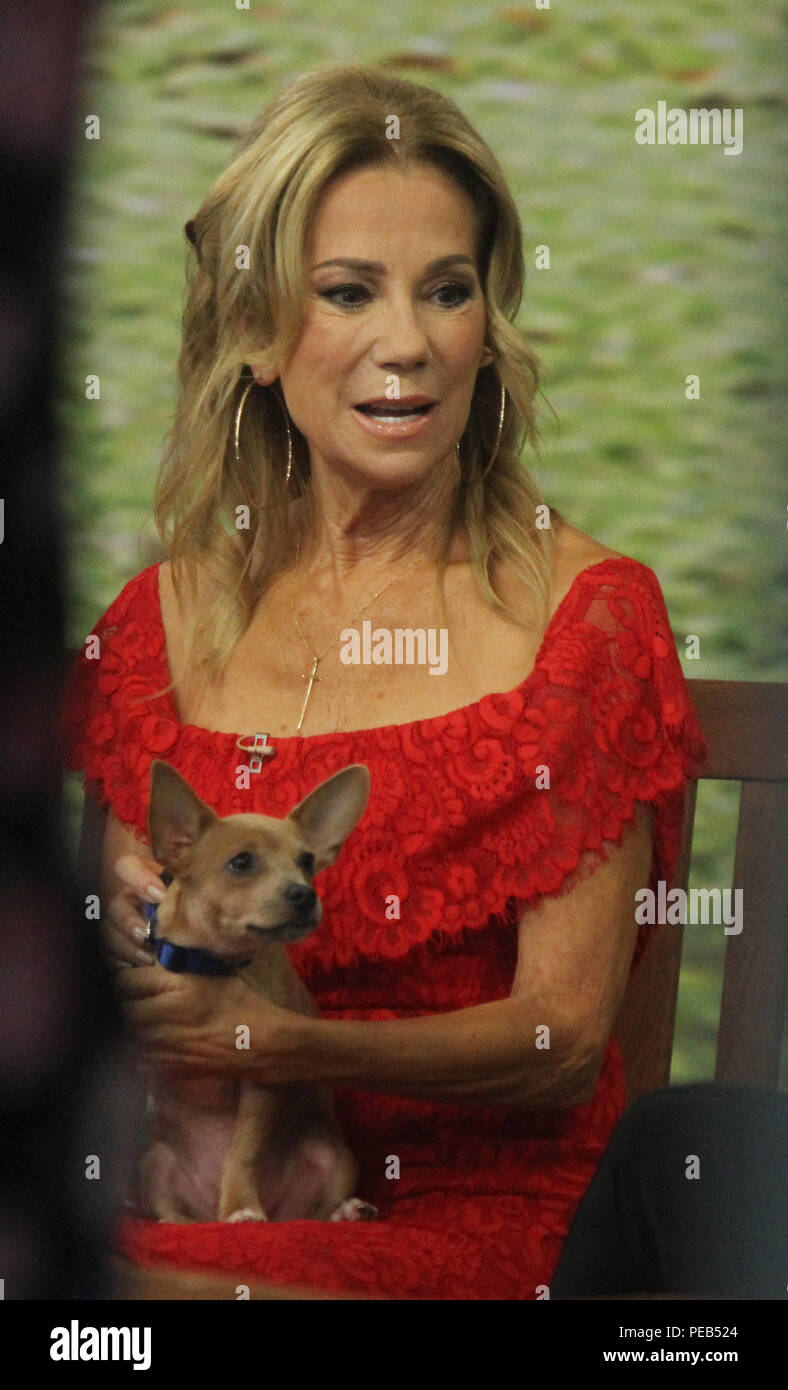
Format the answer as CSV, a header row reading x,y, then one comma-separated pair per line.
x,y
345,536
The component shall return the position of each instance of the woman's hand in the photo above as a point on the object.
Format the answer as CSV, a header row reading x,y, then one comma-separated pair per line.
x,y
191,1023
124,924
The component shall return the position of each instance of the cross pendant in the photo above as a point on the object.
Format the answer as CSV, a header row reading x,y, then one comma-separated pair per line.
x,y
312,677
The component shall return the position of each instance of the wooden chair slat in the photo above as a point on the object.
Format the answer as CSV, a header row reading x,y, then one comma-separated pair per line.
x,y
745,725
756,960
652,992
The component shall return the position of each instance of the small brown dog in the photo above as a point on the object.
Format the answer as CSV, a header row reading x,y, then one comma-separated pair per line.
x,y
242,886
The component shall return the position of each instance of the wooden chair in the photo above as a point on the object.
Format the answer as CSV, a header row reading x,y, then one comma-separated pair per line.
x,y
745,724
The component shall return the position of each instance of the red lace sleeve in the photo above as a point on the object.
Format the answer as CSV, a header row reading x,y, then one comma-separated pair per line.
x,y
100,730
611,722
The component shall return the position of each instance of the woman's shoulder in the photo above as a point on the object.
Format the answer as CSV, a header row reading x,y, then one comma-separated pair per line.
x,y
135,602
589,577
575,553
180,601
186,585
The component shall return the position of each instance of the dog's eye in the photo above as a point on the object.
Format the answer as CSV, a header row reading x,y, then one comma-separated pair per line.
x,y
242,863
307,862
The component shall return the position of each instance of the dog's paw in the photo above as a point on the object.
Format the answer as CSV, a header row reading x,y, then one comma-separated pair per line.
x,y
354,1209
247,1214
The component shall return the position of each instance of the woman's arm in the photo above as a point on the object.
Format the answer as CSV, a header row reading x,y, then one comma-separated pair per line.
x,y
573,961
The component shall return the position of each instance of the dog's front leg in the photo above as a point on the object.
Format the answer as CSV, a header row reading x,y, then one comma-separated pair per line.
x,y
338,1203
258,1112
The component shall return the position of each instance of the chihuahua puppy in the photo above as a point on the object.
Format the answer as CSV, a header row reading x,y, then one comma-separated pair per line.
x,y
241,887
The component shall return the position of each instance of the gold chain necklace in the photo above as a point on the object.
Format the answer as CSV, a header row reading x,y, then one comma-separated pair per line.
x,y
312,675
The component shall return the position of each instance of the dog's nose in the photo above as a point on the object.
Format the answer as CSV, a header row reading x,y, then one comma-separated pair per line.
x,y
301,896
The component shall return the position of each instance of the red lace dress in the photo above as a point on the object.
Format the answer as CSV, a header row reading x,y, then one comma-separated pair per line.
x,y
457,827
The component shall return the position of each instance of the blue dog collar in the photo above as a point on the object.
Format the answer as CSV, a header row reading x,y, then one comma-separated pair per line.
x,y
190,960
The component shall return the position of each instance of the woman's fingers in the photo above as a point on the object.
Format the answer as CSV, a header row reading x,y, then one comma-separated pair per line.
x,y
145,984
186,1022
124,928
141,875
125,925
167,1013
123,945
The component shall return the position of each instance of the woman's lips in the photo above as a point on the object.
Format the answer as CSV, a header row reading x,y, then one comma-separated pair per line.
x,y
396,429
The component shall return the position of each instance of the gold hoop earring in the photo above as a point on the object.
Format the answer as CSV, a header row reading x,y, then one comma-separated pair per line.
x,y
237,431
497,441
500,431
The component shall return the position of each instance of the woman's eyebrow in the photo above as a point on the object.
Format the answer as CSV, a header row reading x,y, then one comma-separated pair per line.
x,y
376,268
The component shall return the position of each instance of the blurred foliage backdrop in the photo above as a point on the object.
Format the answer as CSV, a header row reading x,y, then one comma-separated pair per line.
x,y
664,262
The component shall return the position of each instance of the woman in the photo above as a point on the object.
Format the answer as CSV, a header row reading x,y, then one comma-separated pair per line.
x,y
360,251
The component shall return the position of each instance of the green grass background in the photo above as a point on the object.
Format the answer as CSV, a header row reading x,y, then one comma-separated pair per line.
x,y
664,262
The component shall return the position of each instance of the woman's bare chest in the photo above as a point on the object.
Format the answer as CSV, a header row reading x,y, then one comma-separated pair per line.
x,y
402,660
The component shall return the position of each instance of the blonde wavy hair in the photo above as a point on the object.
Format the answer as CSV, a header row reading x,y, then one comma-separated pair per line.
x,y
326,122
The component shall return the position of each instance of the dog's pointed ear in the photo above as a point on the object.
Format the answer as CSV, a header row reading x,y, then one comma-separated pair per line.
x,y
176,816
327,815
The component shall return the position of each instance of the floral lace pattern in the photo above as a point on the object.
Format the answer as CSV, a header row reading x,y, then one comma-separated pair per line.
x,y
472,816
